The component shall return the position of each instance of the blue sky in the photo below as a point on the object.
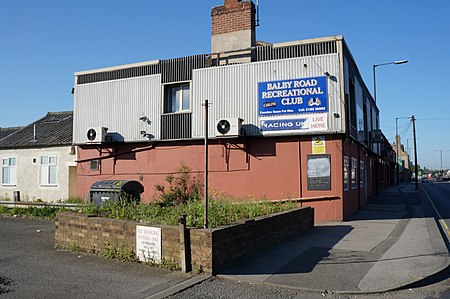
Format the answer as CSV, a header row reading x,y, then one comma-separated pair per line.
x,y
44,42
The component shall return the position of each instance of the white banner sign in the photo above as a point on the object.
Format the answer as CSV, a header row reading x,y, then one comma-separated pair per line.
x,y
285,125
148,243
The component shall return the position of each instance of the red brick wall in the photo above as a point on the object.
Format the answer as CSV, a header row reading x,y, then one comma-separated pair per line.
x,y
270,168
234,242
211,249
233,16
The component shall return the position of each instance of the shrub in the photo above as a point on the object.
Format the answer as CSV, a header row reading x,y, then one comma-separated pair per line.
x,y
220,212
183,187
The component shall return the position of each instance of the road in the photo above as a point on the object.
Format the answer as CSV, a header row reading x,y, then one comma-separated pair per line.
x,y
222,288
30,267
439,194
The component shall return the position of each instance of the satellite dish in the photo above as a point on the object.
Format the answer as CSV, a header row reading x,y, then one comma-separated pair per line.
x,y
91,134
223,126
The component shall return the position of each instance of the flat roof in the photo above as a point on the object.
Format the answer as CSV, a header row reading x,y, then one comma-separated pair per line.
x,y
117,67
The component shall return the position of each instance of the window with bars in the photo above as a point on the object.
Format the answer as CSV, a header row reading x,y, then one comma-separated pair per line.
x,y
48,171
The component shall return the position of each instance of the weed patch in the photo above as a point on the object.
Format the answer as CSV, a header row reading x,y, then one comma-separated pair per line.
x,y
119,252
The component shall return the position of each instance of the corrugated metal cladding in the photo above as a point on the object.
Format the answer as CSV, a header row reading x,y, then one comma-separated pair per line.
x,y
176,126
180,69
119,105
233,90
269,53
172,70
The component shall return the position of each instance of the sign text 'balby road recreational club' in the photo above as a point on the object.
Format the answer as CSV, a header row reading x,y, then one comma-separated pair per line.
x,y
307,95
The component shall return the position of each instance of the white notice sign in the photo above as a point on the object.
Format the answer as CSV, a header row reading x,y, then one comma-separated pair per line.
x,y
148,243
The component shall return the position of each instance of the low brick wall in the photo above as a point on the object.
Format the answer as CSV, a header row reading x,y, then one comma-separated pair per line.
x,y
210,249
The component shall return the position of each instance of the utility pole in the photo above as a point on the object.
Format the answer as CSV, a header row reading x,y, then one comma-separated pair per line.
x,y
205,212
416,170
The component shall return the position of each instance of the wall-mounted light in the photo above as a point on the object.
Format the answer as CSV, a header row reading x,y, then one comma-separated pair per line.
x,y
145,119
327,74
336,115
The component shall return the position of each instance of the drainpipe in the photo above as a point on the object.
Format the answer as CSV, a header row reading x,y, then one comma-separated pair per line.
x,y
300,193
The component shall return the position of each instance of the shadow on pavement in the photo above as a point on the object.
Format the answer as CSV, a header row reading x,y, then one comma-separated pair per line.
x,y
5,284
295,251
381,246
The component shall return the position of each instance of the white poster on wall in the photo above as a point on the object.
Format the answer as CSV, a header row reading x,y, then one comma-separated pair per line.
x,y
148,243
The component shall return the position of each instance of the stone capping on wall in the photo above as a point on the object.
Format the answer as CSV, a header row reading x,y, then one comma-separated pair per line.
x,y
210,249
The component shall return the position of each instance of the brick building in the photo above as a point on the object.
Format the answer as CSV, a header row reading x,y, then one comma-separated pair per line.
x,y
287,120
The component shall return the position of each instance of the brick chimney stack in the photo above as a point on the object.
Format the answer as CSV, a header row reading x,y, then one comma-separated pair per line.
x,y
233,26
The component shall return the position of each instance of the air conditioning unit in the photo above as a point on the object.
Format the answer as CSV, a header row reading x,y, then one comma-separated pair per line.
x,y
96,134
229,127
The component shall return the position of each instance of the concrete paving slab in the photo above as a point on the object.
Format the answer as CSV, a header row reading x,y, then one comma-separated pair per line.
x,y
383,208
343,270
389,243
413,257
366,235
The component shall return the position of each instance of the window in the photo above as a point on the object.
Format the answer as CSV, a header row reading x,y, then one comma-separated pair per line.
x,y
8,171
346,173
353,173
93,165
48,171
177,98
352,103
362,174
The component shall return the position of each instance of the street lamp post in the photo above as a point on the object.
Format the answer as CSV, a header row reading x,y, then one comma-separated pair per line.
x,y
407,145
416,171
409,148
441,150
375,77
375,91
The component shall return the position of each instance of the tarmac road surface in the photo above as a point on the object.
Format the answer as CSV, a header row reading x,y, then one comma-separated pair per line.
x,y
439,194
30,267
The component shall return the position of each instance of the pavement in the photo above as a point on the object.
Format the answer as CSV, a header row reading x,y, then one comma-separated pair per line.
x,y
392,242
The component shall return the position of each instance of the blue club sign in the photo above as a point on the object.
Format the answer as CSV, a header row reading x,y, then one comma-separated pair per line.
x,y
296,96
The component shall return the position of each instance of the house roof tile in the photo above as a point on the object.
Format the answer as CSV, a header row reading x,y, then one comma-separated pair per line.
x,y
54,129
5,132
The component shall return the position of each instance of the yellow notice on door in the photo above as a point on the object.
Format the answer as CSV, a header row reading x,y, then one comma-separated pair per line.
x,y
318,145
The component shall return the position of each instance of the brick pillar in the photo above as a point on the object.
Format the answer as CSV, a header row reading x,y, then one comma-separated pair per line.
x,y
233,26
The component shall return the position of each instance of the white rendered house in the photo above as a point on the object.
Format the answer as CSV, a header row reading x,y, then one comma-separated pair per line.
x,y
38,161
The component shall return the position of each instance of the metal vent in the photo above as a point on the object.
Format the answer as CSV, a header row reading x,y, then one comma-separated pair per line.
x,y
265,53
172,70
137,71
176,126
180,69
